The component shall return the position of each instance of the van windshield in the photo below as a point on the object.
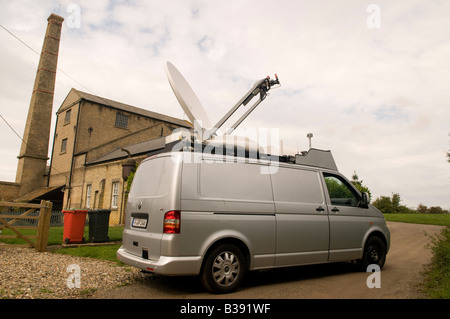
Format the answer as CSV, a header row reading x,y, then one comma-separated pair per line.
x,y
152,178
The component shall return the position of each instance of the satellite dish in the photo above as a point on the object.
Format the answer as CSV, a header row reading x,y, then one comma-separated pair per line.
x,y
195,111
186,97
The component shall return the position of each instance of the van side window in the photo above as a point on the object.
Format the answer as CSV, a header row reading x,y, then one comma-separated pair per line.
x,y
297,186
234,181
341,193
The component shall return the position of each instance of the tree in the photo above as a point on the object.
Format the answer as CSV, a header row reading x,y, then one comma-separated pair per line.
x,y
436,210
130,179
448,154
396,200
388,205
384,204
337,189
358,184
422,209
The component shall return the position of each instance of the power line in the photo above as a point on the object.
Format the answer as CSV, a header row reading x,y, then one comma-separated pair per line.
x,y
23,141
19,40
12,128
29,47
60,70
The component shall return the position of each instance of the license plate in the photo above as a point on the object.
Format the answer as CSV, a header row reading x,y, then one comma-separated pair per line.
x,y
139,223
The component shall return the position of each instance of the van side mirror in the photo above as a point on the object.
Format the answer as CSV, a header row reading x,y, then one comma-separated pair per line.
x,y
365,200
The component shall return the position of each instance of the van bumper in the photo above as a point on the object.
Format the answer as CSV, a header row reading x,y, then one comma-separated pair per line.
x,y
165,265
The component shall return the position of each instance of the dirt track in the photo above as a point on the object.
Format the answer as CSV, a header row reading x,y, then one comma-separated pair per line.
x,y
400,278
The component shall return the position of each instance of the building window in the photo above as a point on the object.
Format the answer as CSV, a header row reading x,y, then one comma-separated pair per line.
x,y
121,120
88,195
67,118
63,145
115,194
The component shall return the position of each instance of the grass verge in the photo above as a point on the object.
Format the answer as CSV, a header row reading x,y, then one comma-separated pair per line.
x,y
106,252
430,219
438,276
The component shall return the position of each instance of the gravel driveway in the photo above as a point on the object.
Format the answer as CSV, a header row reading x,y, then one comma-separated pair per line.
x,y
401,277
24,273
27,274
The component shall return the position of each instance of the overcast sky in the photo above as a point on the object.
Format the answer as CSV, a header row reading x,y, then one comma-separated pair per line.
x,y
370,79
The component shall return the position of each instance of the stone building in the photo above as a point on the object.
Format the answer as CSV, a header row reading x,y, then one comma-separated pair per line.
x,y
91,132
87,155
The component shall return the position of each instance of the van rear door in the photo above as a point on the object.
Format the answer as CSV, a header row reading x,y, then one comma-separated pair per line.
x,y
154,191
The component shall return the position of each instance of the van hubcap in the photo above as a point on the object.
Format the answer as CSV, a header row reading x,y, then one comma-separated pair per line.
x,y
373,253
225,269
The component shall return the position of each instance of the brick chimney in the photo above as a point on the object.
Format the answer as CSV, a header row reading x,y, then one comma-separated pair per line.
x,y
34,150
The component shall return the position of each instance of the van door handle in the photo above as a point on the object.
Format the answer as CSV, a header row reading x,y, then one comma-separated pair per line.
x,y
335,210
320,209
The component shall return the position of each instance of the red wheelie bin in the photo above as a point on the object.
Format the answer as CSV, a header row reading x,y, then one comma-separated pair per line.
x,y
74,221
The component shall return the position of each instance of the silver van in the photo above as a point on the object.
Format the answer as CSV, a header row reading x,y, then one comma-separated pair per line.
x,y
218,216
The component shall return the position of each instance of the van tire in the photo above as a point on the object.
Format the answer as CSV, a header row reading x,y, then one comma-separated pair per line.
x,y
224,269
374,253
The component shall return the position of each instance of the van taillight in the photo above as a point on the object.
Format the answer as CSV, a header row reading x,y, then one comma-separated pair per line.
x,y
172,221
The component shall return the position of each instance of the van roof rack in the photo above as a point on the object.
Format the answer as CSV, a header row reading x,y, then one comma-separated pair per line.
x,y
314,157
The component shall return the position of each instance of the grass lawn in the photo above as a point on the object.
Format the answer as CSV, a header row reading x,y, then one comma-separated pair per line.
x,y
55,235
432,219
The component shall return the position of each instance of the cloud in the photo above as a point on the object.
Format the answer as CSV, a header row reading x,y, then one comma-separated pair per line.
x,y
390,113
378,98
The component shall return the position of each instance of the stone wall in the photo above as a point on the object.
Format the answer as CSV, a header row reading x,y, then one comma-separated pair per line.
x,y
9,191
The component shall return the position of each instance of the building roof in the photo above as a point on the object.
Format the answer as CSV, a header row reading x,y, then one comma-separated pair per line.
x,y
135,150
41,193
123,107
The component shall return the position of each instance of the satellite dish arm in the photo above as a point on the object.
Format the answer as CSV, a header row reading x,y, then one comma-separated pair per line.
x,y
260,87
244,100
243,117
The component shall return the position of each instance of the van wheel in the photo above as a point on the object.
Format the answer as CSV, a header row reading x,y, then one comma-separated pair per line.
x,y
224,269
374,253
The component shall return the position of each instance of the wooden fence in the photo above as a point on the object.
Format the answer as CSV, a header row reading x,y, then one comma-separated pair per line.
x,y
11,221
